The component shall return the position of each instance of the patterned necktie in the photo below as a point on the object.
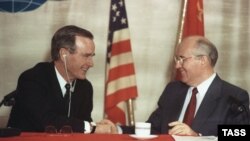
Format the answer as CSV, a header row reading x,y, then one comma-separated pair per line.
x,y
189,115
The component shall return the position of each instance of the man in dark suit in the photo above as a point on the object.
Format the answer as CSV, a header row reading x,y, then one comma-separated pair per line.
x,y
42,99
217,101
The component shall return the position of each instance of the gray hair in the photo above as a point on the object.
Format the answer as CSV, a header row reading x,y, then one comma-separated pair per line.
x,y
206,48
65,38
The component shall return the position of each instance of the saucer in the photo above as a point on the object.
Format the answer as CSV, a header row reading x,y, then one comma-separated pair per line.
x,y
143,137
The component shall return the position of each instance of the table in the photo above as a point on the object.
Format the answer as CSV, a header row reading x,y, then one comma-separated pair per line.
x,y
79,137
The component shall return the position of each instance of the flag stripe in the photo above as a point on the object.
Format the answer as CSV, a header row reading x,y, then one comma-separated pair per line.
x,y
121,35
121,47
120,95
121,59
120,83
121,71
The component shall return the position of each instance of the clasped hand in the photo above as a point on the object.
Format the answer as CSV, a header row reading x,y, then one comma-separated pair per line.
x,y
179,128
106,127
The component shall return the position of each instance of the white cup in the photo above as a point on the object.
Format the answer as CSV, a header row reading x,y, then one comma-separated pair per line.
x,y
142,128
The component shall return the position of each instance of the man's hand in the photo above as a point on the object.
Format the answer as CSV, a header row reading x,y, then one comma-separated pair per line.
x,y
179,128
114,129
102,129
106,127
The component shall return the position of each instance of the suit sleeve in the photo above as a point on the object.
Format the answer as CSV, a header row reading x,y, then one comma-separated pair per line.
x,y
156,117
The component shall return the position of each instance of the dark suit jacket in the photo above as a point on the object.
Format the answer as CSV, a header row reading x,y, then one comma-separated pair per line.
x,y
39,101
219,106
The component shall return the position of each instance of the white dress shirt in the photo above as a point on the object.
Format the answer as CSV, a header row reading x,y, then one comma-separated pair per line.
x,y
202,89
62,84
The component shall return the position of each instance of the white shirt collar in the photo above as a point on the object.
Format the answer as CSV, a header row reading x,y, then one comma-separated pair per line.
x,y
202,90
61,81
203,87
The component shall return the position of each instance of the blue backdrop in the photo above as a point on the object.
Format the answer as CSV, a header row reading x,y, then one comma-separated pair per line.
x,y
14,6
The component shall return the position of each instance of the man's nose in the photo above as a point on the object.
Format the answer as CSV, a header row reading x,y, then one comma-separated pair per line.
x,y
177,65
90,61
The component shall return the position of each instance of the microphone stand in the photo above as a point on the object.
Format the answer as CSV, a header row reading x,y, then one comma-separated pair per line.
x,y
237,108
9,100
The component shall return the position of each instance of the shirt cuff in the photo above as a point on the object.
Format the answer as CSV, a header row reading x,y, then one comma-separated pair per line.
x,y
88,126
119,129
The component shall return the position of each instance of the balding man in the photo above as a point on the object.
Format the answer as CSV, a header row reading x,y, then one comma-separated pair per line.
x,y
199,100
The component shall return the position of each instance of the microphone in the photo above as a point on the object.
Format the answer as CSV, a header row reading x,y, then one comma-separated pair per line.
x,y
9,99
237,107
67,75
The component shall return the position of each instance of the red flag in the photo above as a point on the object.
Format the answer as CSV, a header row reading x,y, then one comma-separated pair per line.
x,y
193,22
120,72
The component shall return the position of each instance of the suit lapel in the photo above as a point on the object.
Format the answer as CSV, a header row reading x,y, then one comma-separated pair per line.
x,y
174,106
55,86
179,102
208,104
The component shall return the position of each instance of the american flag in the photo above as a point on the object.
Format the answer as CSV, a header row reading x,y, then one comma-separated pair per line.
x,y
120,72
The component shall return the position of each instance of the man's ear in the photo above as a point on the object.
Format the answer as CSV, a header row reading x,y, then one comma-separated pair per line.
x,y
205,60
63,54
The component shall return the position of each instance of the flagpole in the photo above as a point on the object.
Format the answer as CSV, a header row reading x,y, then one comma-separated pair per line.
x,y
181,26
180,33
130,110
